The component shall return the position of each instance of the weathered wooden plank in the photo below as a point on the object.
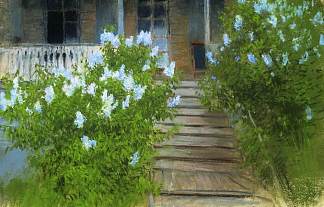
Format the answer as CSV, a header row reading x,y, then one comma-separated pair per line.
x,y
197,141
184,84
187,92
203,166
199,112
209,201
206,154
197,121
200,183
201,130
190,102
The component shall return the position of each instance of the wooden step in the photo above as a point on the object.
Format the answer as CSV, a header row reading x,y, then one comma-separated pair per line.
x,y
209,201
189,102
197,141
199,112
201,154
188,92
194,166
197,121
199,131
176,182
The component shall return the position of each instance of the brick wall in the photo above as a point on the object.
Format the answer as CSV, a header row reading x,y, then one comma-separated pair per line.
x,y
33,24
88,21
4,22
179,44
130,20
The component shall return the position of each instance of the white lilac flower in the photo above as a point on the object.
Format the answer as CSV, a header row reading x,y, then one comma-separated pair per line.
x,y
128,83
129,41
139,92
251,36
316,51
293,25
38,107
273,20
121,73
304,58
169,70
237,58
283,18
272,74
95,59
321,42
108,103
154,51
29,111
49,94
146,67
267,59
296,44
213,77
309,113
92,89
238,22
281,36
125,103
13,97
174,101
106,74
106,37
68,89
67,74
226,40
285,59
251,58
144,38
222,48
3,101
88,143
210,58
299,11
241,1
115,42
262,6
79,119
15,83
134,159
318,19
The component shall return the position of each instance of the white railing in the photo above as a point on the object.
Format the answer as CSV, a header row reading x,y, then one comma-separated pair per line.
x,y
24,58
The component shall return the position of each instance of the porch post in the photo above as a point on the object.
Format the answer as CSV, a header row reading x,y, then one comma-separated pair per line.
x,y
120,16
207,21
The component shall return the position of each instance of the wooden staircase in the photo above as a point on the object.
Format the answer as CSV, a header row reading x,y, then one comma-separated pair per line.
x,y
200,166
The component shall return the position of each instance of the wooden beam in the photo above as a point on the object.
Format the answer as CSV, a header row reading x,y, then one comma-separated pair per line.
x,y
207,21
120,17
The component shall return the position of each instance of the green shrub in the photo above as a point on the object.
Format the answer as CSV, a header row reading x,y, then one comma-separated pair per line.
x,y
269,75
90,129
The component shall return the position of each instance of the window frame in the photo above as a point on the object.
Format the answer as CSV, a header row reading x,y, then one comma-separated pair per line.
x,y
63,10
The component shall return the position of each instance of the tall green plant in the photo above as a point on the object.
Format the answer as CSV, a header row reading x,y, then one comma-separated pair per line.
x,y
269,74
90,129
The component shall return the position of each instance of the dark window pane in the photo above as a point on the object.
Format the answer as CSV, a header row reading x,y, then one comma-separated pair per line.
x,y
199,56
54,4
160,28
71,16
159,11
143,1
159,0
71,32
70,4
55,27
144,25
144,11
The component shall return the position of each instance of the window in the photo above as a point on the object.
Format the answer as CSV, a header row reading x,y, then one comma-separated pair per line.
x,y
63,21
152,16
